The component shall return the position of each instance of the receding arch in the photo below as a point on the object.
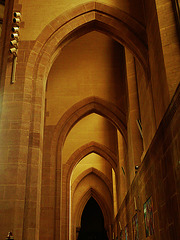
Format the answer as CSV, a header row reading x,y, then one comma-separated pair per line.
x,y
110,20
92,221
92,147
83,108
73,160
90,171
81,153
104,180
101,202
67,121
59,32
77,112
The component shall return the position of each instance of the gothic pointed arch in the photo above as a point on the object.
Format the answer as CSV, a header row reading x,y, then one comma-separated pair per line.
x,y
80,110
86,17
88,171
82,19
85,107
92,147
101,202
73,160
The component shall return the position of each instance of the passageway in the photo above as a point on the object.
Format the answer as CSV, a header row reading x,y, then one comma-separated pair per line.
x,y
89,119
92,222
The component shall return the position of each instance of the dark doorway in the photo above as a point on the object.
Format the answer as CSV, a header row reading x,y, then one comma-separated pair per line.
x,y
92,222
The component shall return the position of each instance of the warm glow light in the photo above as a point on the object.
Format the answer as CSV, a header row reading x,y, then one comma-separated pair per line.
x,y
114,192
91,161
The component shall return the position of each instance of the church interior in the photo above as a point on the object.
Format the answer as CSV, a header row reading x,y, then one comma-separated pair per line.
x,y
90,119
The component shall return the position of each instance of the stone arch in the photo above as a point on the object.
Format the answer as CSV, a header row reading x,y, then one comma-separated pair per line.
x,y
107,19
92,147
80,110
68,167
80,178
67,121
85,107
59,32
90,171
102,203
74,23
93,16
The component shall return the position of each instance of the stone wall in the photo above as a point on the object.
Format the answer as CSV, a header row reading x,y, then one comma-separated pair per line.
x,y
159,178
151,36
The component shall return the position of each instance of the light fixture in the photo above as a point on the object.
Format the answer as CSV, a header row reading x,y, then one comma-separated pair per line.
x,y
17,14
15,29
14,42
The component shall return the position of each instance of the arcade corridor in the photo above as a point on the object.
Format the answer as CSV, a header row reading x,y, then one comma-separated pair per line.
x,y
89,119
92,222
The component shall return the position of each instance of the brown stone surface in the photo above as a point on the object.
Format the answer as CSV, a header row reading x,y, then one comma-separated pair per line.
x,y
86,71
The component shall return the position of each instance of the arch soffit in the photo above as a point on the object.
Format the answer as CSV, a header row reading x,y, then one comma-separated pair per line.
x,y
97,186
96,172
85,150
84,108
101,202
82,152
116,22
